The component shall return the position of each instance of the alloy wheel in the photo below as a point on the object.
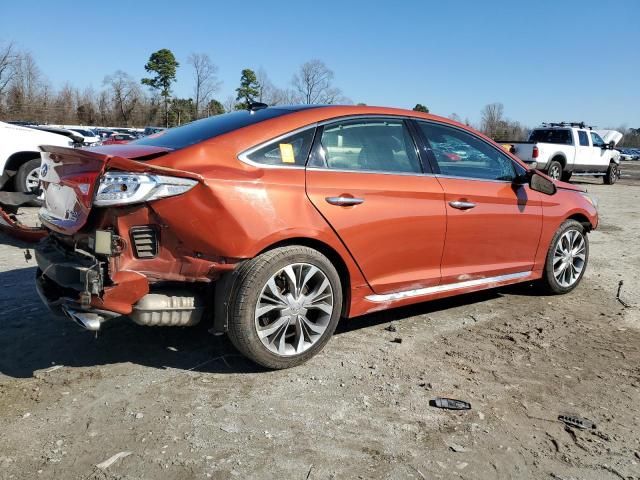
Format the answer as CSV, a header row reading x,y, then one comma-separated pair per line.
x,y
569,258
554,172
32,181
294,309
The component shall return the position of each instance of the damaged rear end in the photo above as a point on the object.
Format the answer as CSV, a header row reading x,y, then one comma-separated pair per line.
x,y
109,253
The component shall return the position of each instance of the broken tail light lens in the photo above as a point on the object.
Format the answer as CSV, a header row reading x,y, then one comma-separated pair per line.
x,y
121,188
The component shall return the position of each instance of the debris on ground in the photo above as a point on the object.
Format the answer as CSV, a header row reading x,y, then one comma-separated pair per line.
x,y
396,340
113,459
391,328
450,404
624,304
577,422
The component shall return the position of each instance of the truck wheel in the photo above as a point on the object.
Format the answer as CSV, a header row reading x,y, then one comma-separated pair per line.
x,y
27,178
566,259
566,176
554,170
284,306
613,173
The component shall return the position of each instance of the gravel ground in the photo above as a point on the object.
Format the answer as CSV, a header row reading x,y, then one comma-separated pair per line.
x,y
182,404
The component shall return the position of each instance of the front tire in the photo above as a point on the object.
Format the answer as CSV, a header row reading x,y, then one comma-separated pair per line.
x,y
27,178
284,306
566,259
566,176
613,173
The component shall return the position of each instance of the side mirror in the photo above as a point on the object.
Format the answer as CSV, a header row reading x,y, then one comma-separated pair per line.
x,y
541,184
611,145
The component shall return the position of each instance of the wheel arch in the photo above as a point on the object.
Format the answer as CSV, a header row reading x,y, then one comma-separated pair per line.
x,y
583,220
559,157
17,159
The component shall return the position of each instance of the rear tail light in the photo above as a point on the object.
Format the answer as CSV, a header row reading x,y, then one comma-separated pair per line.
x,y
144,240
120,188
535,152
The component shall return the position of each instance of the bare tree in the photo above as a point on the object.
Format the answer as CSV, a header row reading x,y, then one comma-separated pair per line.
x,y
205,78
8,57
125,94
492,117
313,83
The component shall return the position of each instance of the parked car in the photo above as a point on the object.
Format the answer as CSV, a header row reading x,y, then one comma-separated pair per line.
x,y
20,155
566,149
629,154
275,223
119,138
89,137
151,130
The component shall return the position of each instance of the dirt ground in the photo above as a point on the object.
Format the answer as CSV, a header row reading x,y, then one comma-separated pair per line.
x,y
185,405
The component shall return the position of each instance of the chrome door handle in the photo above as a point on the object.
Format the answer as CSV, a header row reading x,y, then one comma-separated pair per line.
x,y
460,205
344,201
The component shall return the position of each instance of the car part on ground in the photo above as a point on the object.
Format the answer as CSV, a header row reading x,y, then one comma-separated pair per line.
x,y
11,225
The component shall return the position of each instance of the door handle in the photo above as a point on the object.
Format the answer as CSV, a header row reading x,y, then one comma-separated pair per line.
x,y
344,201
460,205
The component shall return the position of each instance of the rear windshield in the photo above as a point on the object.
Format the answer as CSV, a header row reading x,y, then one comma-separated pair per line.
x,y
200,130
549,135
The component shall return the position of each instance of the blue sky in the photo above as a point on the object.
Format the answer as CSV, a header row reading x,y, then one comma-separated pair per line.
x,y
544,60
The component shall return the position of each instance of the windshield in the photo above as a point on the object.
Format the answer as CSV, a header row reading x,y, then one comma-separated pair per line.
x,y
200,130
551,135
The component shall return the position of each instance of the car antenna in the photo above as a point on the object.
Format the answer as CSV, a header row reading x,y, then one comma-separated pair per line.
x,y
253,106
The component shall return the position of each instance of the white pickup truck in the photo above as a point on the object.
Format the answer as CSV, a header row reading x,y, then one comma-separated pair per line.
x,y
566,149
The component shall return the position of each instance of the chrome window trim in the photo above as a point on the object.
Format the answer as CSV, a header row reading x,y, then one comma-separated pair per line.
x,y
389,297
379,172
244,156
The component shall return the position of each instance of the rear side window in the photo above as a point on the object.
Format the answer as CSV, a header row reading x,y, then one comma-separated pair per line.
x,y
582,137
460,154
551,135
200,130
369,145
289,151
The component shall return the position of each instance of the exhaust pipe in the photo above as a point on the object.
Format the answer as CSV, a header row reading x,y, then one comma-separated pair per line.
x,y
87,320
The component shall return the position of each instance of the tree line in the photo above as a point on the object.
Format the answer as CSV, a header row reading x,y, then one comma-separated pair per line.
x,y
27,95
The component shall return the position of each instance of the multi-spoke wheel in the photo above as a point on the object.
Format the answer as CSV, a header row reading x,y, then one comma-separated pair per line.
x,y
554,170
284,306
567,258
27,177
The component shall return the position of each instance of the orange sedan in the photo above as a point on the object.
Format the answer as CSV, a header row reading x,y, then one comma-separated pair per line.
x,y
275,223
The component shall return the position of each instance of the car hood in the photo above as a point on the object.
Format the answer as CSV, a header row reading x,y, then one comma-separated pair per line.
x,y
610,136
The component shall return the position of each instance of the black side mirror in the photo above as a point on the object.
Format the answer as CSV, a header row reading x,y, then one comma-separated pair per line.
x,y
611,145
542,184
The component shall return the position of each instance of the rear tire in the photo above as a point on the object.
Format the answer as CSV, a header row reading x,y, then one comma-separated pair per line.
x,y
613,172
27,179
567,258
298,291
554,170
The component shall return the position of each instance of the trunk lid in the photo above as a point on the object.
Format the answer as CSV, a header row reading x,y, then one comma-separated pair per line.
x,y
69,179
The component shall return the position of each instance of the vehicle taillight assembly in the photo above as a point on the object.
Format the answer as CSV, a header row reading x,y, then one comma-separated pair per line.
x,y
120,188
535,152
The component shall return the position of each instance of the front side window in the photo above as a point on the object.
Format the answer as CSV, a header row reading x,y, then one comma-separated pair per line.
x,y
369,145
460,154
289,151
597,140
584,140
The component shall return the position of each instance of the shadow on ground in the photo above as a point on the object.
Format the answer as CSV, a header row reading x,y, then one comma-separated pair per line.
x,y
31,338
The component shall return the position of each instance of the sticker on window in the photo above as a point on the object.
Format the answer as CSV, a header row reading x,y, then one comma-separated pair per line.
x,y
286,153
